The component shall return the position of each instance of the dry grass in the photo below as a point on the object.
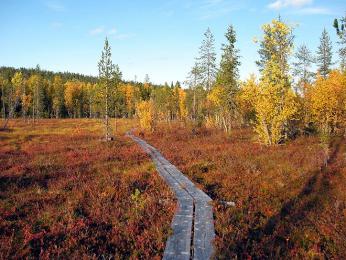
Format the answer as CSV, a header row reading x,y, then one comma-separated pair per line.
x,y
64,193
287,205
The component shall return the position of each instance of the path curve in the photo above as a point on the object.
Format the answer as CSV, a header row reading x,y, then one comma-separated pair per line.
x,y
193,224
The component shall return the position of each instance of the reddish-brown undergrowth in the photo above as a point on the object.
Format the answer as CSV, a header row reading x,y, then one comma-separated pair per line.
x,y
286,203
65,193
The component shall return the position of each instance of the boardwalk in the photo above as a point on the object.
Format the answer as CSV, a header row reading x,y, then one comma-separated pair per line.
x,y
193,224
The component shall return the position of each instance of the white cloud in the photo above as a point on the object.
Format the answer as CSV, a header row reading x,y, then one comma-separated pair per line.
x,y
97,30
279,4
315,10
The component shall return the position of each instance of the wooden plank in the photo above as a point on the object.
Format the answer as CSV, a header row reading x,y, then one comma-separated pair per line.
x,y
178,244
194,208
204,232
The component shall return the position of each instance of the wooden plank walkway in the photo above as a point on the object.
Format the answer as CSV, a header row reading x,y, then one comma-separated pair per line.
x,y
193,224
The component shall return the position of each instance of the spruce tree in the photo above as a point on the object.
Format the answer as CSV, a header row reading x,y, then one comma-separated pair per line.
x,y
340,27
228,75
324,54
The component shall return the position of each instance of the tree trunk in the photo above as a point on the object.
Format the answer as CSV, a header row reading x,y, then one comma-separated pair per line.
x,y
10,115
115,124
3,102
194,103
106,116
23,107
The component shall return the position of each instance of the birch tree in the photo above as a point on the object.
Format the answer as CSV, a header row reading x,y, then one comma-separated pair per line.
x,y
58,96
276,104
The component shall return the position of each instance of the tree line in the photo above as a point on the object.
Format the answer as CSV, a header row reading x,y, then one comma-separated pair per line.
x,y
35,93
305,96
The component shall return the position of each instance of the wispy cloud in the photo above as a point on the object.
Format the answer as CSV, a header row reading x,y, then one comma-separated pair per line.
x,y
124,36
300,7
113,32
97,30
55,6
315,10
280,4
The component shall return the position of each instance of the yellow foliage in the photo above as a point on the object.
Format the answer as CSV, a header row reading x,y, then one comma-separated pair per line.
x,y
18,82
34,81
145,113
219,103
182,104
210,122
72,96
276,105
26,101
147,86
129,92
247,96
273,114
327,102
217,97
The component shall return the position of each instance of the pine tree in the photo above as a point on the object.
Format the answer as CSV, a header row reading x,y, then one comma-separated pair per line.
x,y
324,54
340,27
146,79
207,60
193,80
301,67
108,78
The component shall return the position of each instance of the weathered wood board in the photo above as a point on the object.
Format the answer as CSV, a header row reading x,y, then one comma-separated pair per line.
x,y
193,224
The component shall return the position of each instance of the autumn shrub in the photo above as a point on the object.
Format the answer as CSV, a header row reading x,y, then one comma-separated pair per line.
x,y
327,103
145,113
287,205
65,194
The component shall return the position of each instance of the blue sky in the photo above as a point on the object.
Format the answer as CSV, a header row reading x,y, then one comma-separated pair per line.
x,y
159,38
